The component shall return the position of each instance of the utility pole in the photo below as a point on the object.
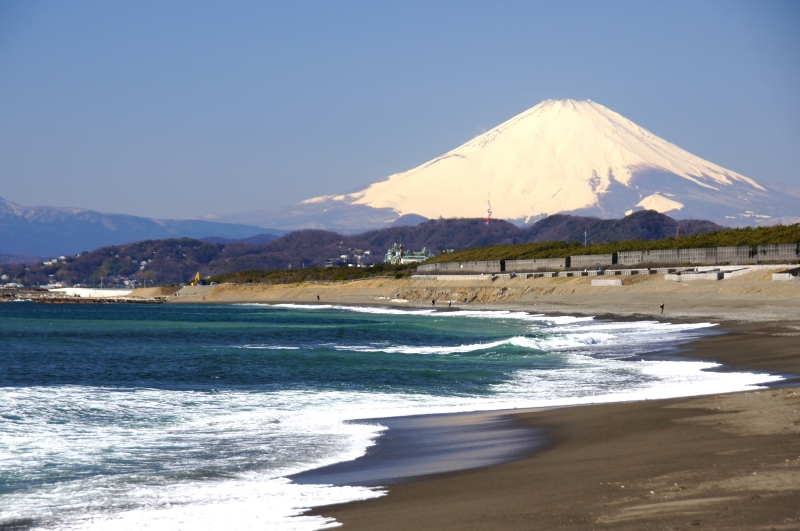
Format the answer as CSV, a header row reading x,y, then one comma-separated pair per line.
x,y
584,238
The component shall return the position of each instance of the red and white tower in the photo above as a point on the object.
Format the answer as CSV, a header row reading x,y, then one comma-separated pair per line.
x,y
488,208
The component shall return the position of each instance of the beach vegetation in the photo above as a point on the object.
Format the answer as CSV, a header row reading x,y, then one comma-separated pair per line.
x,y
317,274
777,234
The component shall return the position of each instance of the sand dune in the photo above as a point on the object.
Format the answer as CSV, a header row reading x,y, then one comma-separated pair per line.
x,y
748,297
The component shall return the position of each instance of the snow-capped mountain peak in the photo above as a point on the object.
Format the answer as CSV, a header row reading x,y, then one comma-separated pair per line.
x,y
561,156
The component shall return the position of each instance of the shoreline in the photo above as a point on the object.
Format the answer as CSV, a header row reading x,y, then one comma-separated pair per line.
x,y
750,297
705,442
417,446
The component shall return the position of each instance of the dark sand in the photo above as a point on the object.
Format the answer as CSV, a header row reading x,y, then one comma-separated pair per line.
x,y
717,462
423,445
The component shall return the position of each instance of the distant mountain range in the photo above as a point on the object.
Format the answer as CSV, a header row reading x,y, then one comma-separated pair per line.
x,y
175,260
561,156
44,231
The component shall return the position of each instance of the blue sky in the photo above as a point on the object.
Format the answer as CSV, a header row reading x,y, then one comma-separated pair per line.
x,y
177,109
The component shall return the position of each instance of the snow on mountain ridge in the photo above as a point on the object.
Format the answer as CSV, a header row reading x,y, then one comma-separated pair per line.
x,y
561,155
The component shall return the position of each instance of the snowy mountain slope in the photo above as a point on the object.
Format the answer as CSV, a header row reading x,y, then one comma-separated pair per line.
x,y
558,156
561,156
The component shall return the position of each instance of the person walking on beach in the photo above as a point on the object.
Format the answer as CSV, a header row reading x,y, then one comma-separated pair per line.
x,y
433,302
662,307
317,297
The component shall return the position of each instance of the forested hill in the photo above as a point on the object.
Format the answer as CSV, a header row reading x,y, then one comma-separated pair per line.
x,y
458,234
176,260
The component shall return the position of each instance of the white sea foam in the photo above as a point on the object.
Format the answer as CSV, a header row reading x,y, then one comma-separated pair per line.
x,y
543,344
163,436
562,333
592,381
585,322
301,430
269,347
244,503
403,349
290,305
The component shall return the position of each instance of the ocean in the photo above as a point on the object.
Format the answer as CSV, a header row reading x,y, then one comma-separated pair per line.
x,y
192,416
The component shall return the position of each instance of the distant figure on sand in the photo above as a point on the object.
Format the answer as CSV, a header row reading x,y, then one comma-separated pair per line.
x,y
448,303
662,307
317,297
433,302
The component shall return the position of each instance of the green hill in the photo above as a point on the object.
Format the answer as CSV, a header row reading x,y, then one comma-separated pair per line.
x,y
724,238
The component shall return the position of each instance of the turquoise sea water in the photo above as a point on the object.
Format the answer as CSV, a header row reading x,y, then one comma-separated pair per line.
x,y
191,417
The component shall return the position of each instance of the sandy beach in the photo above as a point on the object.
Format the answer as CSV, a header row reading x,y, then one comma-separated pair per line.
x,y
711,462
749,297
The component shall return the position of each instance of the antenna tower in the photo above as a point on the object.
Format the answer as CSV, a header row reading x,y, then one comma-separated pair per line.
x,y
488,208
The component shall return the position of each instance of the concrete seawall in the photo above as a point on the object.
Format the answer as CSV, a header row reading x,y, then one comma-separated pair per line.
x,y
747,254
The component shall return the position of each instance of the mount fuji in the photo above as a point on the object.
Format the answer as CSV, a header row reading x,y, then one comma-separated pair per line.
x,y
561,156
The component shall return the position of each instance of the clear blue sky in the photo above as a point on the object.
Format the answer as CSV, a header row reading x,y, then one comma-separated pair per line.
x,y
176,109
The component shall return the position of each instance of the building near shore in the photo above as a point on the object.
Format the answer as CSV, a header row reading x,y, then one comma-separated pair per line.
x,y
92,293
353,258
397,255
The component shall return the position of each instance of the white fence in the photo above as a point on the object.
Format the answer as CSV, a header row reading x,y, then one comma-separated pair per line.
x,y
606,282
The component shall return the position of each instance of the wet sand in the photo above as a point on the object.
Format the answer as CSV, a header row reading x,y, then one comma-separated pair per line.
x,y
423,445
715,462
